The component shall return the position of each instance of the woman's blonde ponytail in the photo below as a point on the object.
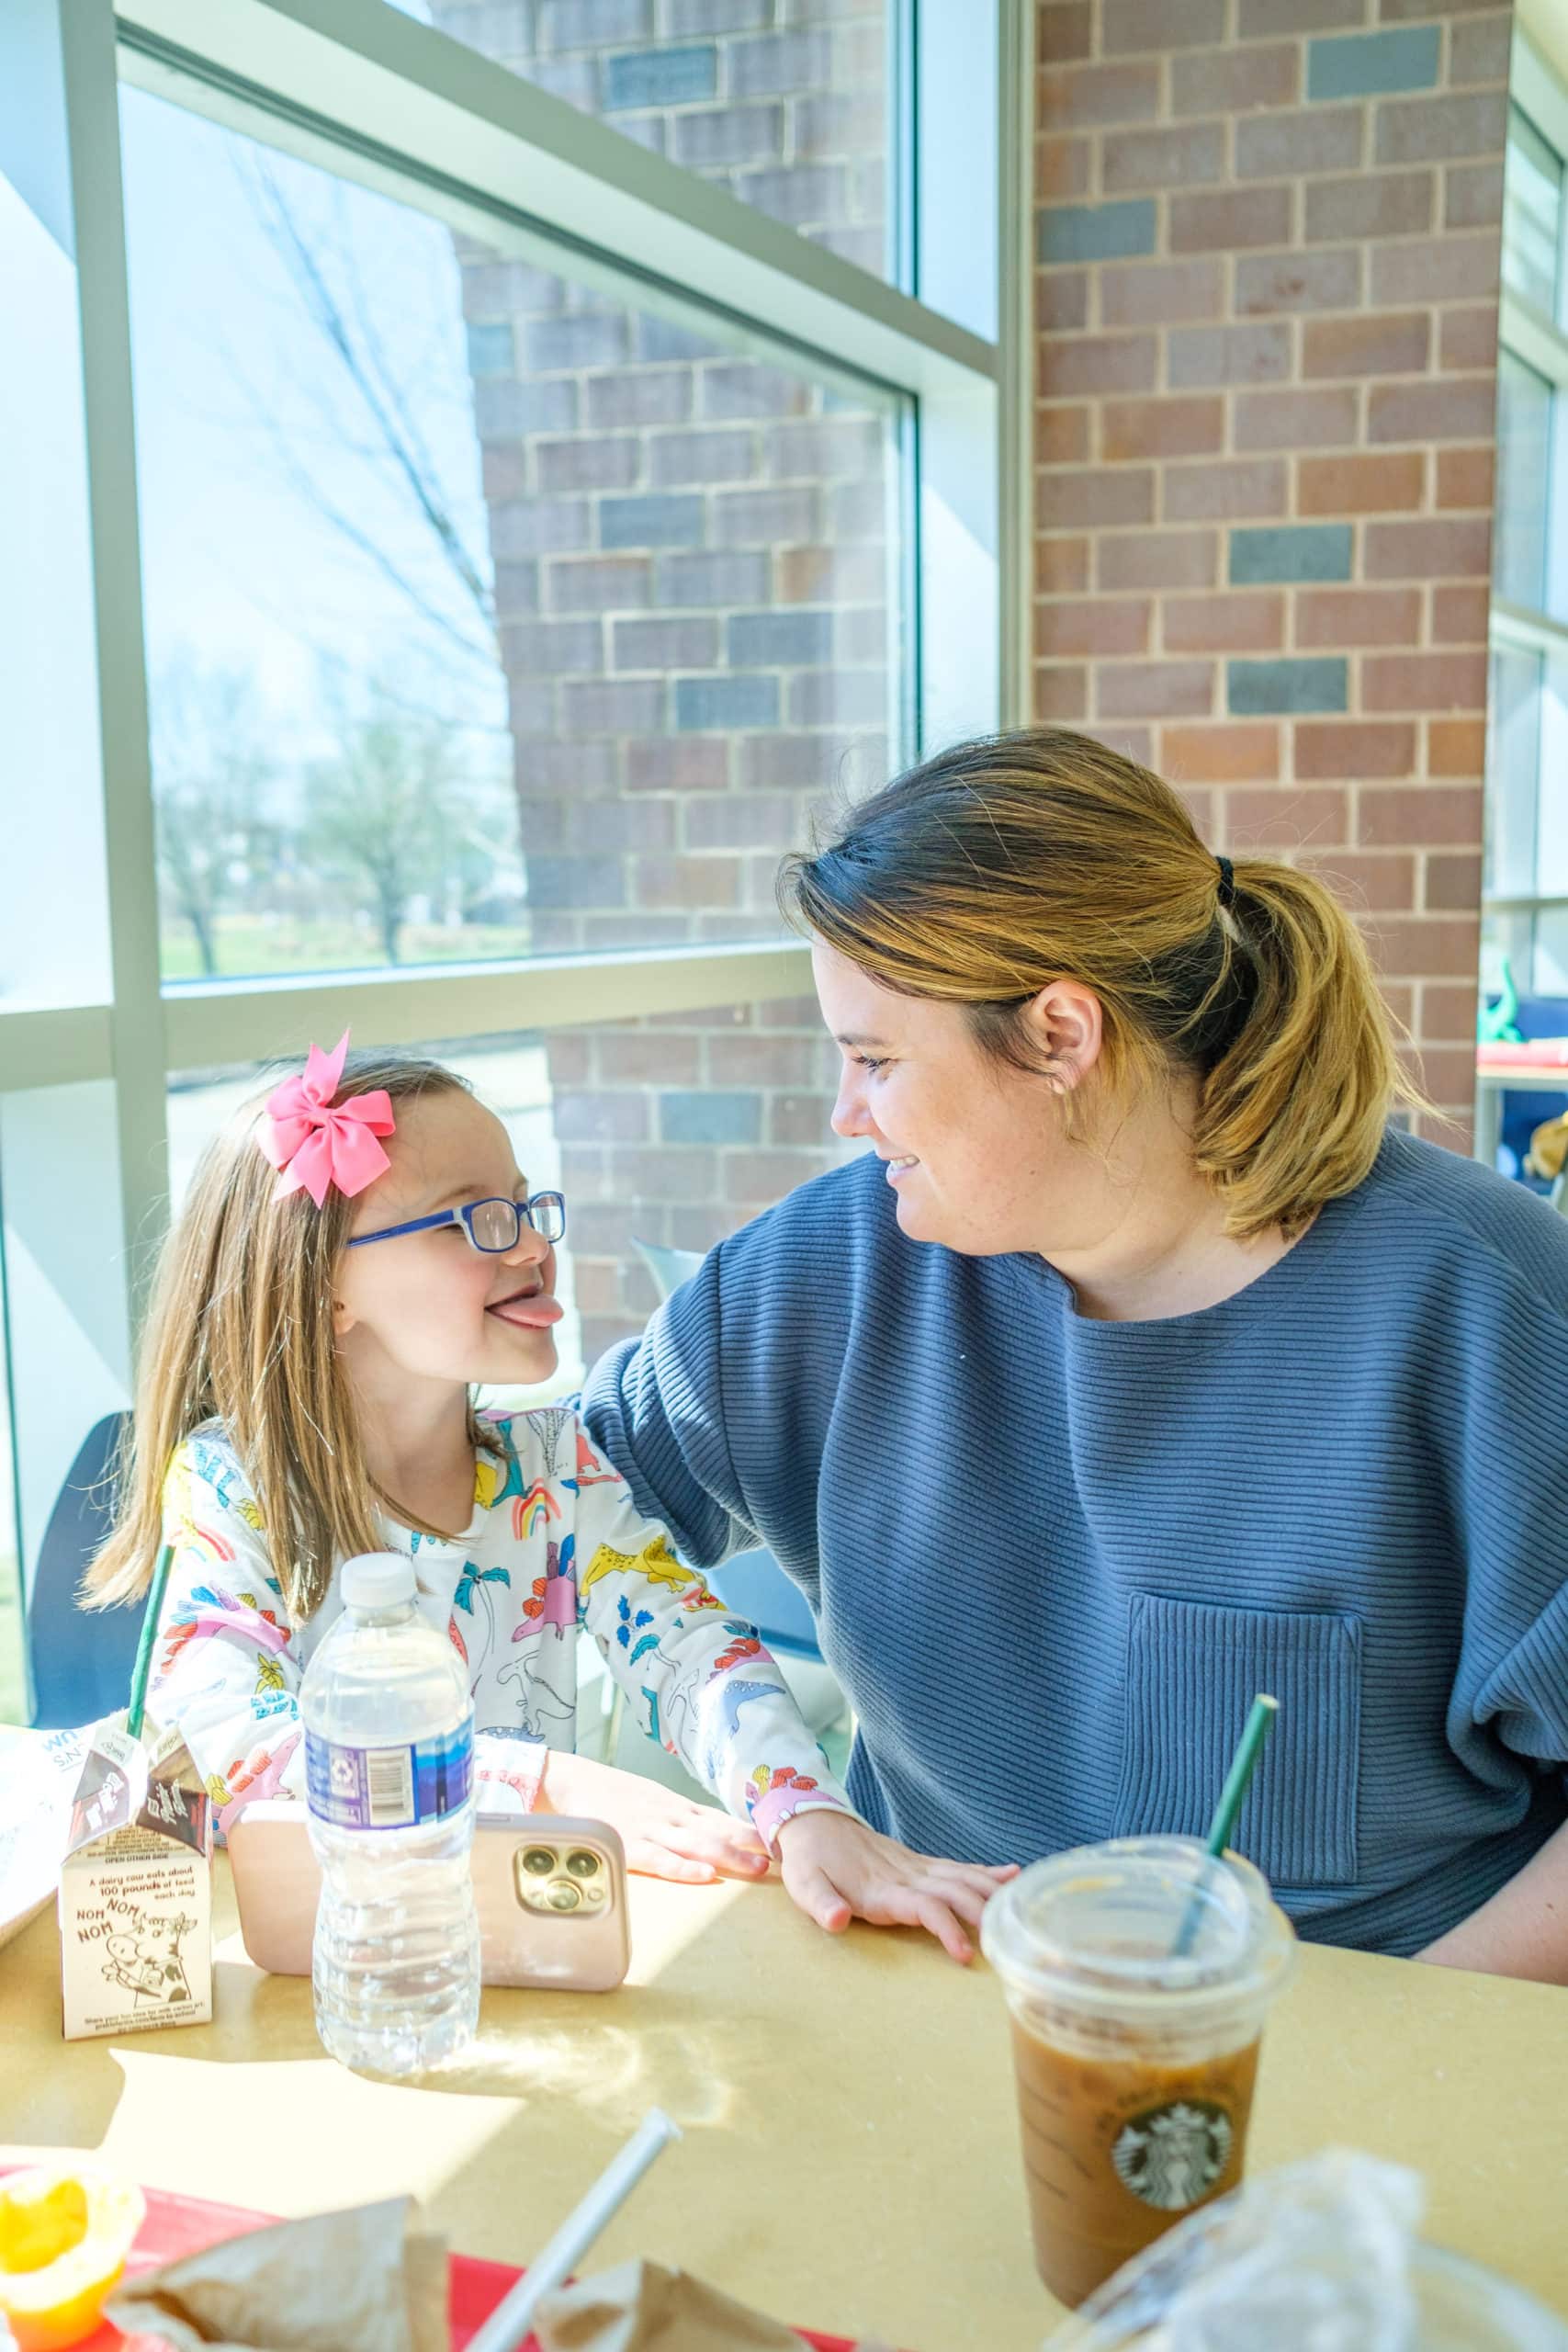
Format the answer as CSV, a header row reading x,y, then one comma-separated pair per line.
x,y
1293,1113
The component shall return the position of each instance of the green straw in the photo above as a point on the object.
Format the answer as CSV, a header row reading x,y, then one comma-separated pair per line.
x,y
144,1666
1260,1724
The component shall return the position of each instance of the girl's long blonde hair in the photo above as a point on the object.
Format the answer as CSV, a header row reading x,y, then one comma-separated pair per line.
x,y
999,865
240,1330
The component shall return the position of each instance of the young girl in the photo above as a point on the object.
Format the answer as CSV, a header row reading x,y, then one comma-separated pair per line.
x,y
352,1259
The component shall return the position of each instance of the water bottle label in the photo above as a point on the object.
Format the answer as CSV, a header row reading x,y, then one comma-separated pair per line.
x,y
389,1788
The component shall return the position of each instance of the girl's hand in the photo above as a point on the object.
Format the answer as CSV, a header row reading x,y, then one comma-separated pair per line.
x,y
665,1836
836,1869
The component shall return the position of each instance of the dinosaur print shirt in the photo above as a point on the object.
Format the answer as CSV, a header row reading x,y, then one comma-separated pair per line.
x,y
554,1544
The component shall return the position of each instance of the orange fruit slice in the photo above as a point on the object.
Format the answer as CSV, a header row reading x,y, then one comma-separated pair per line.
x,y
64,2235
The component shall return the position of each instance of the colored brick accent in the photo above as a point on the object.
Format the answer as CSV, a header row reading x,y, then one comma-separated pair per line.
x,y
710,1117
788,639
659,77
1368,63
1095,232
1292,551
650,522
1256,686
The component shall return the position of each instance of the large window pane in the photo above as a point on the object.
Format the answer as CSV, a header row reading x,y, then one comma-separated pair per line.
x,y
1532,214
1551,801
1550,969
672,1131
784,103
330,755
1524,466
1512,757
487,613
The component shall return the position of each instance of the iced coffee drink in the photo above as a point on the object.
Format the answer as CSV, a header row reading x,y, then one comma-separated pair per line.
x,y
1138,1974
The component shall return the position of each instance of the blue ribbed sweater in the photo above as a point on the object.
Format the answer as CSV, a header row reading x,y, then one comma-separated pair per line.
x,y
1052,1559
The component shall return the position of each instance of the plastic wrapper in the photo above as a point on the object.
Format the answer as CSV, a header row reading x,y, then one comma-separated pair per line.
x,y
1323,2256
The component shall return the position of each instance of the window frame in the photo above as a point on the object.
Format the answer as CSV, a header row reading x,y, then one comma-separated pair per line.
x,y
398,105
1540,343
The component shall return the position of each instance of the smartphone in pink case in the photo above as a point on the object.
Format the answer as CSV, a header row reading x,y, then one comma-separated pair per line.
x,y
551,1893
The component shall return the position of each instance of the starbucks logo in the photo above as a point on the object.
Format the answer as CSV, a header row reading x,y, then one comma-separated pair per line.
x,y
1170,2156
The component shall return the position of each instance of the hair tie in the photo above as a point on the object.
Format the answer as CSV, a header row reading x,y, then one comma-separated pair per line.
x,y
1228,881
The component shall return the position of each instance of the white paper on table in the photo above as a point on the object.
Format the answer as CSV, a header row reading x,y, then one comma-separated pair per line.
x,y
38,1772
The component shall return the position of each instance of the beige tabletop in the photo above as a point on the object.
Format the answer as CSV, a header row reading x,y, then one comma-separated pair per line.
x,y
849,2160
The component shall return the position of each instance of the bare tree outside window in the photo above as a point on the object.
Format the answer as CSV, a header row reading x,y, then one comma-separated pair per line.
x,y
216,839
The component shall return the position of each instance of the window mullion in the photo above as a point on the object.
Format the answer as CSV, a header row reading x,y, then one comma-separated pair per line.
x,y
84,1158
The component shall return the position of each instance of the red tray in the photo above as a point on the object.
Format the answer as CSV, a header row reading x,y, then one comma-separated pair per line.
x,y
179,2226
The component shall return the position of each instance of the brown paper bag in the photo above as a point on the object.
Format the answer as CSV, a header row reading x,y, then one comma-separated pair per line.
x,y
337,2282
642,2307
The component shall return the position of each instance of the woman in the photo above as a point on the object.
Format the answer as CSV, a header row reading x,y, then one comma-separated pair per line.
x,y
1138,1366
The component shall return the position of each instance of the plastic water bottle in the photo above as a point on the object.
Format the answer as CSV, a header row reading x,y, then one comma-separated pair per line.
x,y
388,1769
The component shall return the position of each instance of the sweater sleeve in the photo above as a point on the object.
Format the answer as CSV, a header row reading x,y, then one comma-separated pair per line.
x,y
1507,1467
701,1681
1525,1699
656,1407
224,1669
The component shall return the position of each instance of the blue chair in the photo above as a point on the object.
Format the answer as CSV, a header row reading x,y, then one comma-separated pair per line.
x,y
752,1584
80,1660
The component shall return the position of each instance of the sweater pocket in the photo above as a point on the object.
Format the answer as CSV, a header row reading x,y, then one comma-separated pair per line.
x,y
1192,1673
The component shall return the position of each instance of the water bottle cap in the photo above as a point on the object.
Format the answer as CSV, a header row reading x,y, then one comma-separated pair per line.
x,y
378,1580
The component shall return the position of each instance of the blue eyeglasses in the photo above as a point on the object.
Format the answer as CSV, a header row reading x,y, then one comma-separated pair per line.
x,y
493,1226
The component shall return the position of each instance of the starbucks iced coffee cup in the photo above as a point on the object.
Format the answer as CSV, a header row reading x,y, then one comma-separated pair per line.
x,y
1138,1974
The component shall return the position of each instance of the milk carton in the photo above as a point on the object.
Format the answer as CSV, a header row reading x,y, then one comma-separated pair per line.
x,y
136,1890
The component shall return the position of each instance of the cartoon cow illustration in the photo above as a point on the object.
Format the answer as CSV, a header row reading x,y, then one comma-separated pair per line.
x,y
150,1967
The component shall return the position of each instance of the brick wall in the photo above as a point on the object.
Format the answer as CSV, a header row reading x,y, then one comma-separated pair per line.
x,y
678,1129
1269,234
692,570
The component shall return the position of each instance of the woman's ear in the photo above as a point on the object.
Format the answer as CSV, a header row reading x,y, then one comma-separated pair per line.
x,y
344,1320
1066,1024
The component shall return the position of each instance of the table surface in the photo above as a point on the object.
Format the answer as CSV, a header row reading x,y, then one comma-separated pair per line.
x,y
849,2160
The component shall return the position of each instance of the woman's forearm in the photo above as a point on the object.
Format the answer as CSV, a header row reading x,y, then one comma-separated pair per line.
x,y
1522,1930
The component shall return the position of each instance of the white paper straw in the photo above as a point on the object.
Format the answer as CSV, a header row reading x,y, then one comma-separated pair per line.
x,y
508,2324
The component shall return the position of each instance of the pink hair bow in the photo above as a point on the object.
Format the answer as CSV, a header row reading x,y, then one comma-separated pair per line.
x,y
316,1142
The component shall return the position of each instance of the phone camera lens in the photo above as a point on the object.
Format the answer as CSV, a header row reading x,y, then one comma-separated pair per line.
x,y
583,1864
564,1896
538,1861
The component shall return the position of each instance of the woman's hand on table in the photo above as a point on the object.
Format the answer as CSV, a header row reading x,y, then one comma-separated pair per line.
x,y
665,1835
836,1869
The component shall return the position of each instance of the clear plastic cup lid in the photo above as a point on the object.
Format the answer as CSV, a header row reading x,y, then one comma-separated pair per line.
x,y
1101,1924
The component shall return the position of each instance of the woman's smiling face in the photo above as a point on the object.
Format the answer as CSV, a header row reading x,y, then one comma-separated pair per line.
x,y
974,1149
